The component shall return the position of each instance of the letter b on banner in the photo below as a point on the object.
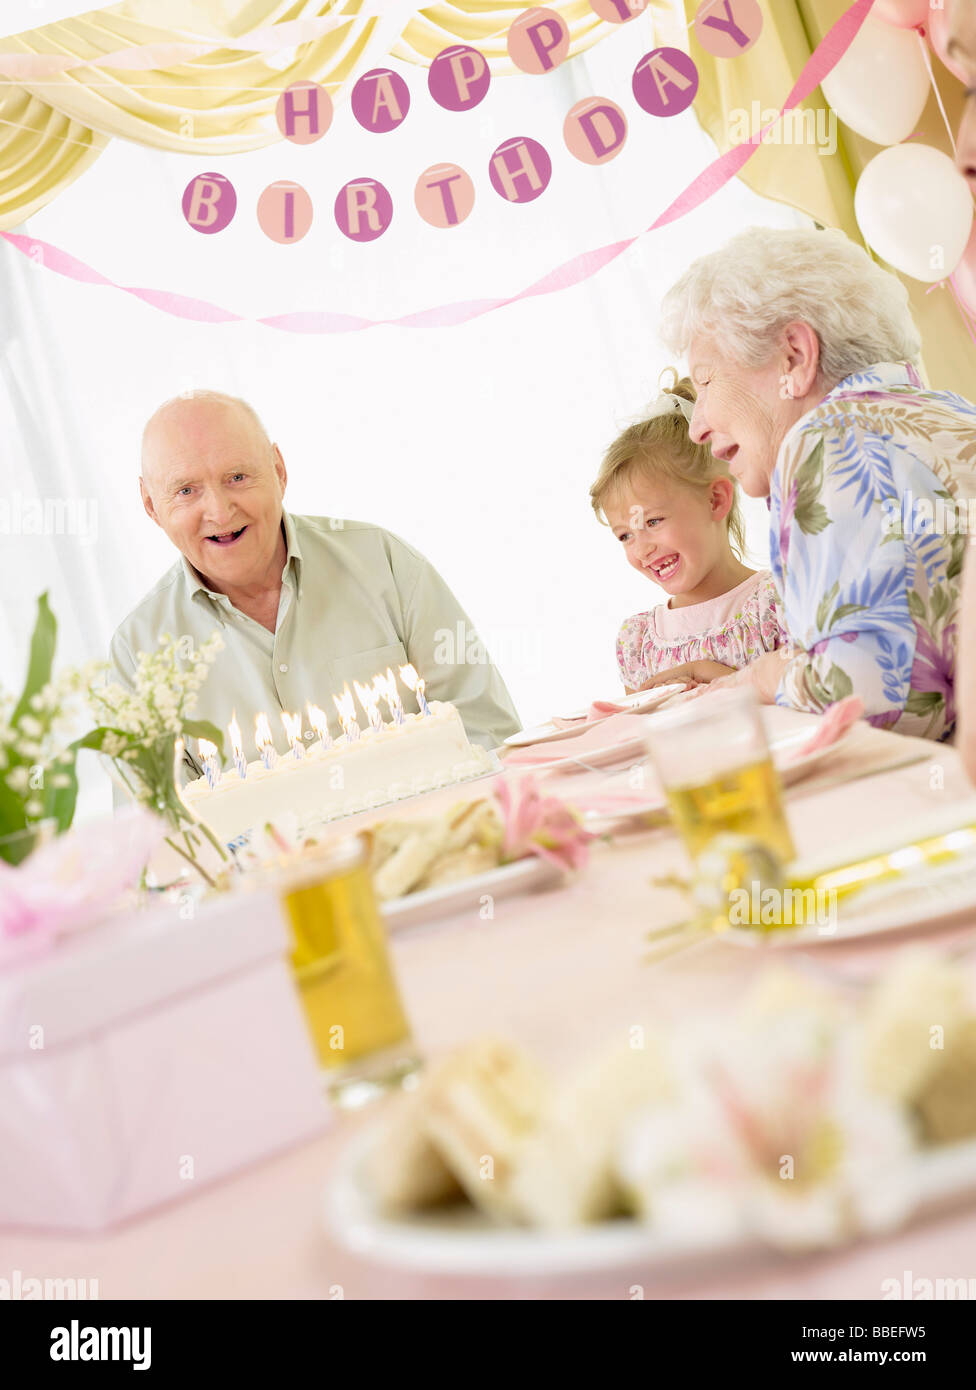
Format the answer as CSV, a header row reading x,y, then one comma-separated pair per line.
x,y
209,202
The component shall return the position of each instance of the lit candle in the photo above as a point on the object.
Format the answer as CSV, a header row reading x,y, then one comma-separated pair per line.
x,y
366,695
237,743
347,714
392,696
264,741
211,765
410,679
293,731
320,724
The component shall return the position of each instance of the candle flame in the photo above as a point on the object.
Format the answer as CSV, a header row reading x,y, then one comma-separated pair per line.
x,y
318,719
236,741
409,677
262,732
388,688
293,728
207,749
347,710
366,695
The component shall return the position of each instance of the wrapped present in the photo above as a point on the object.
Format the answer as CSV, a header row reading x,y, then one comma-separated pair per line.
x,y
144,1051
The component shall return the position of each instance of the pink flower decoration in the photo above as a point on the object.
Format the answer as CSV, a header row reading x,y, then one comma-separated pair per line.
x,y
540,825
72,879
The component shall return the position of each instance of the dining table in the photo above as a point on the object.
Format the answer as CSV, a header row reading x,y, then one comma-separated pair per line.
x,y
563,971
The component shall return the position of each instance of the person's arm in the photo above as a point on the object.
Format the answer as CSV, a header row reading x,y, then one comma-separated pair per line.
x,y
843,581
444,647
966,673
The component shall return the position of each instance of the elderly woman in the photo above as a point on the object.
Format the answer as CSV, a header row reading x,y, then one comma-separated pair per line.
x,y
962,47
804,353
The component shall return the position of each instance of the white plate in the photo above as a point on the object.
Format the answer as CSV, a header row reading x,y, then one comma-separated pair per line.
x,y
790,768
548,733
525,876
460,1241
939,897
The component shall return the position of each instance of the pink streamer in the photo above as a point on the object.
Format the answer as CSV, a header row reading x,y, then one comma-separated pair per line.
x,y
967,317
827,54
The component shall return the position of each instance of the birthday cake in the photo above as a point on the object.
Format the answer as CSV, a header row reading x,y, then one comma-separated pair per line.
x,y
339,777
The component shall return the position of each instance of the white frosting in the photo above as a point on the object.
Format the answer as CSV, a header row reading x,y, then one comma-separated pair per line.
x,y
383,765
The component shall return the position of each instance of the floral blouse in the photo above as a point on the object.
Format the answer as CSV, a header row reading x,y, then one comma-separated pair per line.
x,y
734,629
868,568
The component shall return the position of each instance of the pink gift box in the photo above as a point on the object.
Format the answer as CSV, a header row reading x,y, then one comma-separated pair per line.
x,y
148,1055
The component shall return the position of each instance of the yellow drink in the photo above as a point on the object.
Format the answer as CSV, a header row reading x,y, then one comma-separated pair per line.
x,y
743,801
342,968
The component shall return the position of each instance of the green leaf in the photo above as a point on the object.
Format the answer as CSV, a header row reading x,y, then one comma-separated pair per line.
x,y
202,728
13,817
96,737
823,607
43,642
957,553
916,606
838,684
810,514
922,701
940,604
846,609
60,802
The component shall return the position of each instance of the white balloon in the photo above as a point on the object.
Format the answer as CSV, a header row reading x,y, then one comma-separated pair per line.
x,y
915,209
880,86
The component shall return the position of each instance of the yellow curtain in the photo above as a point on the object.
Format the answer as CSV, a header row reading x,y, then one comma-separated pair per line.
x,y
222,103
485,26
822,185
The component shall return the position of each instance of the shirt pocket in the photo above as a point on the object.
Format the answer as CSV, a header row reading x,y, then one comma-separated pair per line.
x,y
363,666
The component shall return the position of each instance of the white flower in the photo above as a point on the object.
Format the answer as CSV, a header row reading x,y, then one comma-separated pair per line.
x,y
18,779
34,807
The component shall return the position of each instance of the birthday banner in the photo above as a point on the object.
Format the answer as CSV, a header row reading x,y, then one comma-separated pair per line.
x,y
664,83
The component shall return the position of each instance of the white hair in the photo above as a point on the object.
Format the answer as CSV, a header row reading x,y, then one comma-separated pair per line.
x,y
744,294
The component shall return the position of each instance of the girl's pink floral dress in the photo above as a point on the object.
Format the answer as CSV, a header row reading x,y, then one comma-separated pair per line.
x,y
734,628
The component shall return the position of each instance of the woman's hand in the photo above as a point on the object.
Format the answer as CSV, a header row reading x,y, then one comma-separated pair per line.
x,y
764,675
690,673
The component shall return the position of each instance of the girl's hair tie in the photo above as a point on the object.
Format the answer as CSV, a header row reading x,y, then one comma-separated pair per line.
x,y
668,403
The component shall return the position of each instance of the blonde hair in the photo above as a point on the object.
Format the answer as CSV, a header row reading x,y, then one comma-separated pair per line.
x,y
662,447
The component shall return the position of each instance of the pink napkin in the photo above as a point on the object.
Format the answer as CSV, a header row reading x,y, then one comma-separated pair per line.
x,y
607,732
834,722
599,710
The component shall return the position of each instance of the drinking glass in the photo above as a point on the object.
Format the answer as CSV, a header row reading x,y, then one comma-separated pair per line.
x,y
715,767
344,974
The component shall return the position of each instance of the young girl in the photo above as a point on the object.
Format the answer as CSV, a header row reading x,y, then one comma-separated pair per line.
x,y
674,509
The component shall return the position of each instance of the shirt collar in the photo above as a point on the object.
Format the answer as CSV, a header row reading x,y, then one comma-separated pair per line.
x,y
293,561
879,377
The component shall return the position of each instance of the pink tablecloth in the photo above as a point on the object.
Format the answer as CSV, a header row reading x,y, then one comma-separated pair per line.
x,y
560,971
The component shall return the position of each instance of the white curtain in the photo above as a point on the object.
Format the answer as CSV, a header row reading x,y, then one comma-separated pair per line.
x,y
477,444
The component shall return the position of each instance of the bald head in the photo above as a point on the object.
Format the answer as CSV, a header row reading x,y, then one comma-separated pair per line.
x,y
192,420
214,482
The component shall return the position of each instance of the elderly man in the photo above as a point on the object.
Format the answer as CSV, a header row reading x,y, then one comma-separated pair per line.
x,y
304,604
